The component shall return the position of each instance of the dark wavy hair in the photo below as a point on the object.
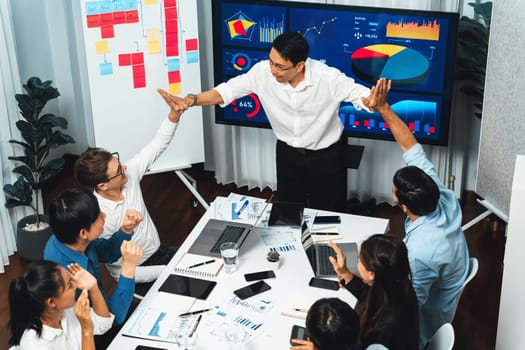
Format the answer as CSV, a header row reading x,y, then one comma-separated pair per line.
x,y
71,211
91,167
416,189
28,295
387,257
292,46
332,324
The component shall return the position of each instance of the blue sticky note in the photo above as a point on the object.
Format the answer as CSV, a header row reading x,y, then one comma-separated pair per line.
x,y
192,57
106,68
173,64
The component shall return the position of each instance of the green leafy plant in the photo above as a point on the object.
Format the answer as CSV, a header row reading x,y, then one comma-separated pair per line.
x,y
39,137
471,62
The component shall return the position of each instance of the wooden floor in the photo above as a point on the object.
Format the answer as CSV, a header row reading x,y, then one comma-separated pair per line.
x,y
171,207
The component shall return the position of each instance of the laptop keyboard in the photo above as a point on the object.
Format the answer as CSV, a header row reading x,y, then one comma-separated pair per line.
x,y
229,234
325,267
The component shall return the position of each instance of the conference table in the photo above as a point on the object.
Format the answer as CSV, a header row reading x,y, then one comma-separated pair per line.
x,y
263,320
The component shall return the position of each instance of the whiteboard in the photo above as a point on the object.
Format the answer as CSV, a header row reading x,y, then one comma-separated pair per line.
x,y
131,48
502,127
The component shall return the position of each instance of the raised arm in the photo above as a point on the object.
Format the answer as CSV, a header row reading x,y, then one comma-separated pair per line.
x,y
378,102
205,98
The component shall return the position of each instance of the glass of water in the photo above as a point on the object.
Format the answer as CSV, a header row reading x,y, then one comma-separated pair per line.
x,y
230,256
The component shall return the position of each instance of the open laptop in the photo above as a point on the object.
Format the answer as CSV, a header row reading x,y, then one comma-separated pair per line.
x,y
216,232
318,254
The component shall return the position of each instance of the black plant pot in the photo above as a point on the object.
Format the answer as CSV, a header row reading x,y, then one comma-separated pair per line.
x,y
31,244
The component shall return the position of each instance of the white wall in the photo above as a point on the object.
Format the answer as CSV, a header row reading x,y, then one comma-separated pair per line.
x,y
511,320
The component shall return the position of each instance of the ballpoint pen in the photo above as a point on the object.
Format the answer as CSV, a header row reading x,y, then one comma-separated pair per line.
x,y
324,233
244,205
200,264
191,313
196,325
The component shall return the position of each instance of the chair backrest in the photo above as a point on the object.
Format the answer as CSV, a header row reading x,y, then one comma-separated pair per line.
x,y
443,339
472,271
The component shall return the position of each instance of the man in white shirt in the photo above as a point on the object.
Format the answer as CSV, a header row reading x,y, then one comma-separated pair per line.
x,y
301,98
117,188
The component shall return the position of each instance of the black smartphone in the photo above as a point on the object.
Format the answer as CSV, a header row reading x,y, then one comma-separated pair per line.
x,y
322,283
298,332
144,347
262,275
251,290
327,219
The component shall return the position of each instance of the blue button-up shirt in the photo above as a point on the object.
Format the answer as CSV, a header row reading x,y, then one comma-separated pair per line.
x,y
437,251
100,250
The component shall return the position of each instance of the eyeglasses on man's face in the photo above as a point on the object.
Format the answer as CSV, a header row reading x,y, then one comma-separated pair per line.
x,y
119,169
278,66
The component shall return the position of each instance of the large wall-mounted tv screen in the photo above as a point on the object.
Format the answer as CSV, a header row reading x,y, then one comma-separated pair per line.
x,y
414,49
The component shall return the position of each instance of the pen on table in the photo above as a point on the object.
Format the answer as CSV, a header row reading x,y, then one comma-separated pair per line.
x,y
202,263
244,205
325,227
191,313
196,325
324,233
300,310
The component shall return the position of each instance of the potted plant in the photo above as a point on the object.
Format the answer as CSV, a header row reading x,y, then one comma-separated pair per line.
x,y
471,62
273,258
39,137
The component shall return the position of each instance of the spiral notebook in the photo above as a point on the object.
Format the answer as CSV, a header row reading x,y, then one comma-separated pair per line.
x,y
199,265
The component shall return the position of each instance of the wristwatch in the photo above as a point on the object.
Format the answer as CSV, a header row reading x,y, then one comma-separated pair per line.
x,y
194,98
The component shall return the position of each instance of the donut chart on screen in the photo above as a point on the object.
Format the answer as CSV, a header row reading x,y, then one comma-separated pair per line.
x,y
402,65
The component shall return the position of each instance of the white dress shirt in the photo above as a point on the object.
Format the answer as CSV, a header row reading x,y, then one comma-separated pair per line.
x,y
305,116
67,338
145,234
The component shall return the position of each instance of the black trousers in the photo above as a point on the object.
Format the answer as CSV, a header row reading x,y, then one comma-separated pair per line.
x,y
315,178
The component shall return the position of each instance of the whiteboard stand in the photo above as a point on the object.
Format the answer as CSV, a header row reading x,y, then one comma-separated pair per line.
x,y
191,184
490,209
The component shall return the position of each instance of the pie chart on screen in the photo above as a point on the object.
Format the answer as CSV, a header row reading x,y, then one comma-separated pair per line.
x,y
402,65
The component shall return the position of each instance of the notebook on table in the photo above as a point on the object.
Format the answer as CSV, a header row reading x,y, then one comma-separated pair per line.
x,y
199,265
318,253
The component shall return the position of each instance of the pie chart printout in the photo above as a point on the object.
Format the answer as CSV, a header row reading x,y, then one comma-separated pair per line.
x,y
402,65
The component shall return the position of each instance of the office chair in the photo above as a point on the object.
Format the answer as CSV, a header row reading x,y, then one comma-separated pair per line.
x,y
443,339
472,271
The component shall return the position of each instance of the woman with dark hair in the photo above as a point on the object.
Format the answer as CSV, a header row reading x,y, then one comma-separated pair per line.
x,y
331,324
45,315
387,305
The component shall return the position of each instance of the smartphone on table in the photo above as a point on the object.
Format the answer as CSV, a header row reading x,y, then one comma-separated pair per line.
x,y
251,290
323,283
255,276
298,332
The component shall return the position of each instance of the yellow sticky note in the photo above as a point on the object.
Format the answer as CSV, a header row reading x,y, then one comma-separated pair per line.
x,y
150,2
102,47
153,33
174,88
153,46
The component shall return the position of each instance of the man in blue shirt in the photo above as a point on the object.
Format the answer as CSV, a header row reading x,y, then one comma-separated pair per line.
x,y
77,222
437,249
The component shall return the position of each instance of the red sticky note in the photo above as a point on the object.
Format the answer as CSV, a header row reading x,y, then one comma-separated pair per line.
x,y
137,58
174,77
124,59
107,32
192,44
93,21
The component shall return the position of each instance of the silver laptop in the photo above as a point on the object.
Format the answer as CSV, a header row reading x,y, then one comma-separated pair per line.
x,y
318,254
216,232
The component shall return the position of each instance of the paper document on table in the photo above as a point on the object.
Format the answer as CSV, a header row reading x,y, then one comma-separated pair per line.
x,y
235,207
161,324
277,235
247,316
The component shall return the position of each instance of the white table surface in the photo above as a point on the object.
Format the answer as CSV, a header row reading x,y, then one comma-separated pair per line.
x,y
291,283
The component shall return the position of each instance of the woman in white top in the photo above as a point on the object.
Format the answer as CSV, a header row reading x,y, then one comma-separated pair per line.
x,y
45,315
